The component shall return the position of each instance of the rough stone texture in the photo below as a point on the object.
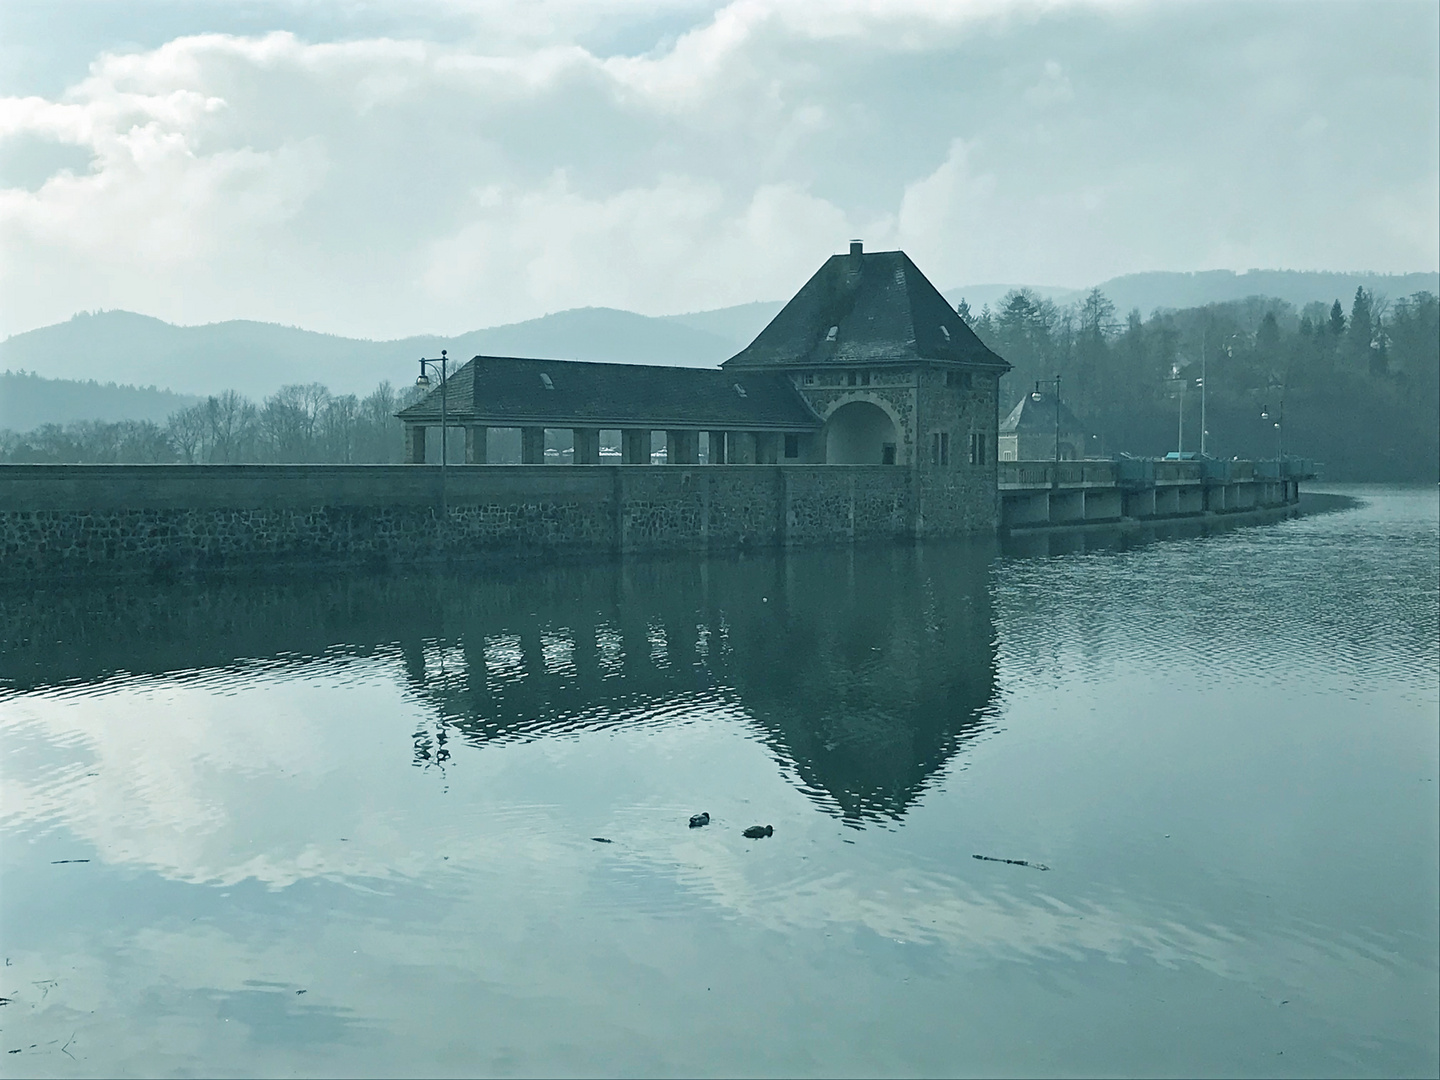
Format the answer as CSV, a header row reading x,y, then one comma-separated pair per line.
x,y
84,520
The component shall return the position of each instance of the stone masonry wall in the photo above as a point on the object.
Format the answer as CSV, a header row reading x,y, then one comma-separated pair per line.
x,y
84,520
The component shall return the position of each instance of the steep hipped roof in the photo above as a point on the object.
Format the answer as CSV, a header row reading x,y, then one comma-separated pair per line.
x,y
1031,415
866,307
518,391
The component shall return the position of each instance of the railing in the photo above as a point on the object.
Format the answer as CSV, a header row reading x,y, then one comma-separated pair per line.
x,y
1148,472
1061,474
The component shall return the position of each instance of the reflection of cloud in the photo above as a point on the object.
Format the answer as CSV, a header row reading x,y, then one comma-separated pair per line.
x,y
282,776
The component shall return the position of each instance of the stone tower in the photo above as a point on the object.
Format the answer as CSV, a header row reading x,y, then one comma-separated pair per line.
x,y
897,378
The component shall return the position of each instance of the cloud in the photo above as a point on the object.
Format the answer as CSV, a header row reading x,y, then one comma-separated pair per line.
x,y
397,183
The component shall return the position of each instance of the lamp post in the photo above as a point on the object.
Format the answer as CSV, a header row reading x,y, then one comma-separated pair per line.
x,y
1178,386
1203,432
1279,419
1036,396
424,381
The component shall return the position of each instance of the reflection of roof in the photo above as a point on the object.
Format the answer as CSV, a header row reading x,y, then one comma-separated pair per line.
x,y
866,307
509,390
1039,416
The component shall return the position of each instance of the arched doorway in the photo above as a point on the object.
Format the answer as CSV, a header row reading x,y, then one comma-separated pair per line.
x,y
860,433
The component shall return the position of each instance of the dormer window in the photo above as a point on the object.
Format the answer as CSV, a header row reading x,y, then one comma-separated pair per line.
x,y
946,331
740,390
832,333
545,379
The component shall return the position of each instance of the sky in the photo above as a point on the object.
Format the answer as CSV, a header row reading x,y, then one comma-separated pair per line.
x,y
379,168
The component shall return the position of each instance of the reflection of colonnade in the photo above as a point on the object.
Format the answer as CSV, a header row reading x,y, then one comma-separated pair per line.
x,y
862,669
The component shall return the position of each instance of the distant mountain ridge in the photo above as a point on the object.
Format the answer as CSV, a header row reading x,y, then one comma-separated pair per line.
x,y
257,358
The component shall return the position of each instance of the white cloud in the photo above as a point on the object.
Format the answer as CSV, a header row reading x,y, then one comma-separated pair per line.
x,y
394,184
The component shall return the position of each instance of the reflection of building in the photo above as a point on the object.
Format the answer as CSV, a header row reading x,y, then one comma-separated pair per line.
x,y
1029,432
866,365
864,671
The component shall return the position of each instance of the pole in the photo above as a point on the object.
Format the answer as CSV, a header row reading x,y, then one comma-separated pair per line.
x,y
1203,432
1057,420
1180,439
444,418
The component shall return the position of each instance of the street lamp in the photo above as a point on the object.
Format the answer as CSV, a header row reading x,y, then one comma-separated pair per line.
x,y
1036,396
1279,429
424,382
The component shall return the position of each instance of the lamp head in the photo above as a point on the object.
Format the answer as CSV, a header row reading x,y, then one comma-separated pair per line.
x,y
1035,395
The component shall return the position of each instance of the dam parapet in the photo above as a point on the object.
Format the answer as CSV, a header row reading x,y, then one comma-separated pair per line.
x,y
1067,494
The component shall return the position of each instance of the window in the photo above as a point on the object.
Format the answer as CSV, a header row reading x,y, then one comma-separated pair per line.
x,y
978,442
850,378
792,446
887,453
864,378
545,381
940,448
832,333
740,390
962,379
808,379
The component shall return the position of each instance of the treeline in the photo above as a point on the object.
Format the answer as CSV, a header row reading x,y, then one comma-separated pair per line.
x,y
1357,390
300,423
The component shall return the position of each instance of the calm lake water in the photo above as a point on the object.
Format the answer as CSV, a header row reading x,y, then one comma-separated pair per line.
x,y
345,827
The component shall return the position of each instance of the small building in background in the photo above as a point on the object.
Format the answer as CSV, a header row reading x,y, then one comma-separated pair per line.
x,y
1029,432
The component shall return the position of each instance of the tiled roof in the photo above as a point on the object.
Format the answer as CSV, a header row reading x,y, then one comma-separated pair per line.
x,y
518,391
1032,415
866,307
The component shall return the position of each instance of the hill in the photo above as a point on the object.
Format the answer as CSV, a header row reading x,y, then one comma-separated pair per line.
x,y
257,358
1167,290
28,400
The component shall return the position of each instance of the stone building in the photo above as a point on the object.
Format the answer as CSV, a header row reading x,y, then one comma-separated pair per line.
x,y
866,365
1030,432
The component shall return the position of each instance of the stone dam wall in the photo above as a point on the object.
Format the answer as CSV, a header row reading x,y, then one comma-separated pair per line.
x,y
101,520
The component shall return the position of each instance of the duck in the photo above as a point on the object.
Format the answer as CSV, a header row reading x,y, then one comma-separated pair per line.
x,y
697,820
756,832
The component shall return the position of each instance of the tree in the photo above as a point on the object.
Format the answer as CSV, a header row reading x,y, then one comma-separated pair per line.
x,y
1362,330
1337,321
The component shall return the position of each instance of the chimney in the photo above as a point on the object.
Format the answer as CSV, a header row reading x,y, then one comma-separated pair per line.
x,y
857,249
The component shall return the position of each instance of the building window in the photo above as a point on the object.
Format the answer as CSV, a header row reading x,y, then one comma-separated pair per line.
x,y
962,379
864,378
850,378
940,448
887,453
808,379
792,446
977,447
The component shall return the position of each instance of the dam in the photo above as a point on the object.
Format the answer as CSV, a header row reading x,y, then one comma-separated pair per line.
x,y
85,521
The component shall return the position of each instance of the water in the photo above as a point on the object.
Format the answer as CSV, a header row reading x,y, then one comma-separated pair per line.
x,y
345,827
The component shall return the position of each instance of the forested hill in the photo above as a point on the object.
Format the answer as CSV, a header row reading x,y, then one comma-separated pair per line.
x,y
28,400
1163,289
1355,385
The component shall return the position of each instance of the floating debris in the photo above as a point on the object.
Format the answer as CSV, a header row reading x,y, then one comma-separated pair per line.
x,y
697,820
601,840
62,862
755,832
1012,862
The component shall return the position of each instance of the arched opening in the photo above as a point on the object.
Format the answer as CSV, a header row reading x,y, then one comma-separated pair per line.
x,y
860,433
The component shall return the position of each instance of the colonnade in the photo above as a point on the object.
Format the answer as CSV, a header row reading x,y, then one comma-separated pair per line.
x,y
683,446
